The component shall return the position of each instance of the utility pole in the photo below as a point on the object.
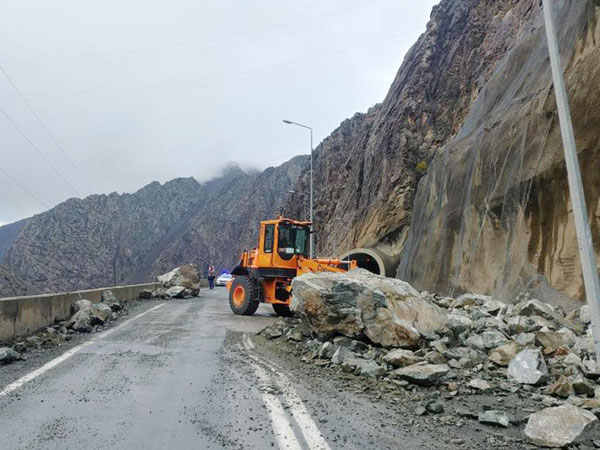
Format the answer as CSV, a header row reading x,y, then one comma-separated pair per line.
x,y
311,245
582,224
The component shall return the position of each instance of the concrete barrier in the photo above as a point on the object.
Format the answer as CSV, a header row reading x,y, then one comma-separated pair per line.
x,y
21,316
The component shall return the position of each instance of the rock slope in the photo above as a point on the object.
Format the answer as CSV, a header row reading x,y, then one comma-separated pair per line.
x,y
493,212
459,172
367,170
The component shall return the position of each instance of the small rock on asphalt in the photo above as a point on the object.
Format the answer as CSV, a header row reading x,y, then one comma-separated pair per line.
x,y
495,418
8,355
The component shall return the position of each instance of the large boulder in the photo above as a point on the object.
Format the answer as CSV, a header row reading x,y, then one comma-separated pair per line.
x,y
561,426
104,311
88,314
187,276
358,304
84,321
109,297
82,304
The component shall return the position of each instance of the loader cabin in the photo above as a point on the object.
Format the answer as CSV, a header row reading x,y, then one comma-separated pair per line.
x,y
280,243
265,273
282,240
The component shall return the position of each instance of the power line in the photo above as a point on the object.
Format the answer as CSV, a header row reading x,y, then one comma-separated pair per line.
x,y
24,188
39,152
206,80
62,150
214,39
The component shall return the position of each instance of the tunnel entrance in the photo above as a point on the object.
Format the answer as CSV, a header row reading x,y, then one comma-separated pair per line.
x,y
366,262
373,260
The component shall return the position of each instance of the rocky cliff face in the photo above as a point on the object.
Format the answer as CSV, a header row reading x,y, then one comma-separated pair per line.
x,y
459,171
367,170
111,239
493,213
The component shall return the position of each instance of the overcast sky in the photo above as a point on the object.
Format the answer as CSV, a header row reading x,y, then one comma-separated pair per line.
x,y
142,90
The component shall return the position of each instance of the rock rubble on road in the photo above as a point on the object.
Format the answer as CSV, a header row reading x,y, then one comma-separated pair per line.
x,y
181,282
86,317
472,345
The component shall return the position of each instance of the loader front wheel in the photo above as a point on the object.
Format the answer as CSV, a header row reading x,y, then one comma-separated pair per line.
x,y
241,299
282,310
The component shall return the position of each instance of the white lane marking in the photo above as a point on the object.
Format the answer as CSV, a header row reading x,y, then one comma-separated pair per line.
x,y
309,428
282,428
66,355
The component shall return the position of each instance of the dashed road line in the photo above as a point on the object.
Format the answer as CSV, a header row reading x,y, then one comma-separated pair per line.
x,y
307,425
56,361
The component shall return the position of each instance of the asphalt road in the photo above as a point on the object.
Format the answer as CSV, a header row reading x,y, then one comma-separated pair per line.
x,y
188,374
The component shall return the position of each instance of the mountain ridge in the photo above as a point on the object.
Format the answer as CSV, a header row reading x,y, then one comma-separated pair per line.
x,y
111,239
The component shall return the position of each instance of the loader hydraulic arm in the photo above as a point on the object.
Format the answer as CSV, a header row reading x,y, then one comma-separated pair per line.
x,y
306,265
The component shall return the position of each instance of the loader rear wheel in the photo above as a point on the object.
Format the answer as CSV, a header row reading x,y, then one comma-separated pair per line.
x,y
241,299
282,310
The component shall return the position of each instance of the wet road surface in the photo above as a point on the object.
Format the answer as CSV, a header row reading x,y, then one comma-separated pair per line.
x,y
186,374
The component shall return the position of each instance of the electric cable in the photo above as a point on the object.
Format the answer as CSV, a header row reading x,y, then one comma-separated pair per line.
x,y
206,80
35,197
214,39
39,152
62,150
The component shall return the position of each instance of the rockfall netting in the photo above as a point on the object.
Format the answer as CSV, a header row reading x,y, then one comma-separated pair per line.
x,y
492,215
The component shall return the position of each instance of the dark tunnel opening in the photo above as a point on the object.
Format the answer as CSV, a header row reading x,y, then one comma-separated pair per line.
x,y
366,262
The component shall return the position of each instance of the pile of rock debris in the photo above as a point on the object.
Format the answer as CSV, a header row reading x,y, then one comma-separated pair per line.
x,y
383,328
181,282
86,317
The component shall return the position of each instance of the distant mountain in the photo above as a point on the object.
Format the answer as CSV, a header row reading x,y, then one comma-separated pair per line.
x,y
105,240
8,235
13,286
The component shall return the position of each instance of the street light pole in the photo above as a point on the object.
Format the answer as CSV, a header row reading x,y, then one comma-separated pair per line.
x,y
311,243
582,224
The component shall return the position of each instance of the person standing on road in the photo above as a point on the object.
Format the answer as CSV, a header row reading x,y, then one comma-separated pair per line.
x,y
211,277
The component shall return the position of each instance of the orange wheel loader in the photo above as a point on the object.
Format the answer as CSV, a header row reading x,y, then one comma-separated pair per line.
x,y
264,274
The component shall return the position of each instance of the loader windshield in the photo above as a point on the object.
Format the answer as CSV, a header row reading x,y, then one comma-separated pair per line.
x,y
293,239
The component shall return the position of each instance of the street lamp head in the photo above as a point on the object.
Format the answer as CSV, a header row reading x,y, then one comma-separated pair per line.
x,y
289,122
